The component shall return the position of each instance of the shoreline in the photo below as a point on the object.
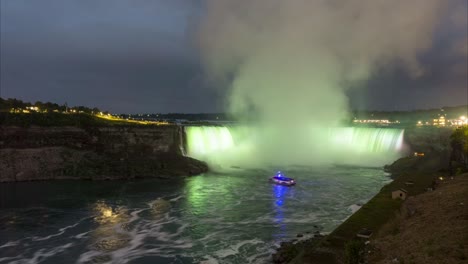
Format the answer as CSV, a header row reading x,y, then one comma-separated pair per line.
x,y
416,174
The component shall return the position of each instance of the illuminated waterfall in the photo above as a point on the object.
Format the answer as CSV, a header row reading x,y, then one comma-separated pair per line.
x,y
207,140
227,146
367,140
217,145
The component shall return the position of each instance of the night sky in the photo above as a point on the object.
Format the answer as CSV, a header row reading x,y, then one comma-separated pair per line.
x,y
140,56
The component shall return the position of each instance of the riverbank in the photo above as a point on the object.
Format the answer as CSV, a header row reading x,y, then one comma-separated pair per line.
x,y
405,237
414,173
93,153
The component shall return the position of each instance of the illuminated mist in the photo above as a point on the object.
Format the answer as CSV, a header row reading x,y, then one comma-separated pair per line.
x,y
287,64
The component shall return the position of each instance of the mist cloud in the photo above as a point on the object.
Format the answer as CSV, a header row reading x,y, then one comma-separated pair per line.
x,y
290,62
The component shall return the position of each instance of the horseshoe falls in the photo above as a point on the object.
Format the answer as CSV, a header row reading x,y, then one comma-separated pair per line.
x,y
222,146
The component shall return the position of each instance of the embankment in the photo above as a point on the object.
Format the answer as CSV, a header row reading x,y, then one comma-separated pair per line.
x,y
117,152
429,228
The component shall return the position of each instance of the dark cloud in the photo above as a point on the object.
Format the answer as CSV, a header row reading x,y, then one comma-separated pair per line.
x,y
119,55
137,56
445,82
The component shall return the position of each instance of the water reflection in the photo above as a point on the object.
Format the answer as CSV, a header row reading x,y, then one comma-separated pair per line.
x,y
208,194
196,195
279,192
105,214
112,230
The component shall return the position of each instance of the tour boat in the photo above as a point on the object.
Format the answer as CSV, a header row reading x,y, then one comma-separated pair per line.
x,y
280,179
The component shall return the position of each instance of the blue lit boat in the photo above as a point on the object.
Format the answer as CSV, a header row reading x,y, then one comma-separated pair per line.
x,y
280,179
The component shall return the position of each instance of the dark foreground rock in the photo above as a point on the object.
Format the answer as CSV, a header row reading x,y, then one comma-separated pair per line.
x,y
63,163
97,154
285,253
290,249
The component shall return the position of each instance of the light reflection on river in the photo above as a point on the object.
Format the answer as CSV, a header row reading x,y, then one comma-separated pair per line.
x,y
230,217
280,194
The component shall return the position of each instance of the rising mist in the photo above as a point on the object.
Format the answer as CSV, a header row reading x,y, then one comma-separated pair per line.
x,y
289,63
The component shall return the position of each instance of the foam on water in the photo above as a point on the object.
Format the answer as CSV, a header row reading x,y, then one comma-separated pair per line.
x,y
38,256
61,231
10,244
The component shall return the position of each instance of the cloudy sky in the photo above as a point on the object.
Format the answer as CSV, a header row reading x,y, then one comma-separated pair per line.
x,y
141,56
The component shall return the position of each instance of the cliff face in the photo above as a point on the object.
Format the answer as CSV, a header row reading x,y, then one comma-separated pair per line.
x,y
40,153
433,142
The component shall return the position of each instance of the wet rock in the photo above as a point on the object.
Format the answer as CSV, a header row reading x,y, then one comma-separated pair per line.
x,y
285,253
285,244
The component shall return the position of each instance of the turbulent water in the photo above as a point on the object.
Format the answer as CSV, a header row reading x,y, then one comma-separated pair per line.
x,y
230,217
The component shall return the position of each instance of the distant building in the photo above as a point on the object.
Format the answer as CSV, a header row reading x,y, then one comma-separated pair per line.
x,y
440,121
33,108
461,121
399,194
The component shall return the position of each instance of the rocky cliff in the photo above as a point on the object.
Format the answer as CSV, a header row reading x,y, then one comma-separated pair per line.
x,y
40,153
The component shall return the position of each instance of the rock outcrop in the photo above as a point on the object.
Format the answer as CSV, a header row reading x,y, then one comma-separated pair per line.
x,y
42,153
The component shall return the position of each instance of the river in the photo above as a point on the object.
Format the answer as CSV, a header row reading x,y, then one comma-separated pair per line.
x,y
236,216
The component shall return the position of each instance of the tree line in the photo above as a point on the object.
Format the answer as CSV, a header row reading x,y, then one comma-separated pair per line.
x,y
6,105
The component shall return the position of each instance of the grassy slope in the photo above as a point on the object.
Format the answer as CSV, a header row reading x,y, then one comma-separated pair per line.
x,y
443,212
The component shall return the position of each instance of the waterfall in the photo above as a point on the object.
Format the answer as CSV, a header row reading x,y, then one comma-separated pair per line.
x,y
367,140
229,146
206,140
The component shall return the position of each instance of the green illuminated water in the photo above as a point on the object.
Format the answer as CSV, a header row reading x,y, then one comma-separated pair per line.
x,y
228,146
